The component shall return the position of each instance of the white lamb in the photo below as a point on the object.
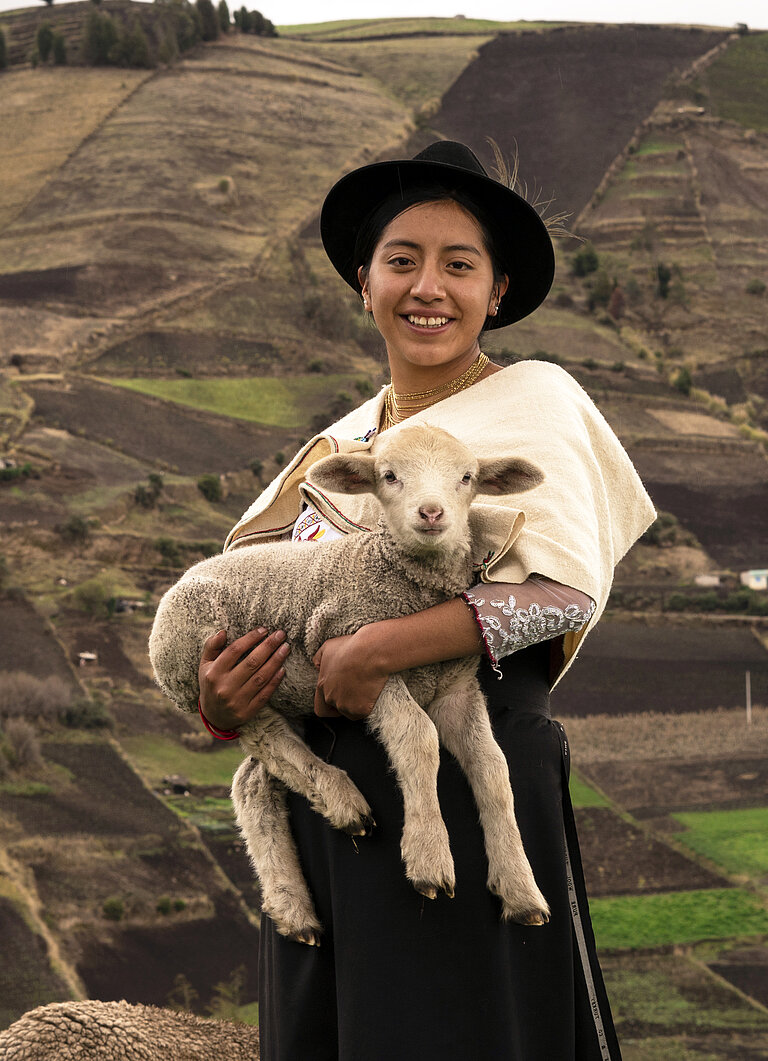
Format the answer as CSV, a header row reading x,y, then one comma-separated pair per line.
x,y
420,555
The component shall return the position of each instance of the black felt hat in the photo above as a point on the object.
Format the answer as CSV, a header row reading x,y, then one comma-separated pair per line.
x,y
520,236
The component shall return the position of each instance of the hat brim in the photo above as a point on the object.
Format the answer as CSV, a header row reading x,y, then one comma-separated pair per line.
x,y
521,237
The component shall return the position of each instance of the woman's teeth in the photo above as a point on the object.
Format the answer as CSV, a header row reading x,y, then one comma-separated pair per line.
x,y
428,322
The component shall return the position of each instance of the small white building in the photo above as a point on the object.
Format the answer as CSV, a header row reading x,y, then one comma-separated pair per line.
x,y
707,581
755,579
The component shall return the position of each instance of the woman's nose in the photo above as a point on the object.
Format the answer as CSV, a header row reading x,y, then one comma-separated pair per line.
x,y
427,284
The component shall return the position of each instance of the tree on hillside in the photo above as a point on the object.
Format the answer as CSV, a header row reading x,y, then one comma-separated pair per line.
x,y
210,19
59,50
100,37
3,50
224,20
44,40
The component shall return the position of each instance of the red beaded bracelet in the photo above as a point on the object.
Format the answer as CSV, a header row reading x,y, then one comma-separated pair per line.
x,y
219,734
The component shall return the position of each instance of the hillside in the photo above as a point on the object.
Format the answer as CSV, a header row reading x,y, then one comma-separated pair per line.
x,y
169,333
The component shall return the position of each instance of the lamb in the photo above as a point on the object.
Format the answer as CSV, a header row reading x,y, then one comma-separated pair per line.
x,y
118,1031
420,555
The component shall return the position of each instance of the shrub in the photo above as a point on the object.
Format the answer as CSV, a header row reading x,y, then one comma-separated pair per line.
x,y
600,290
279,457
618,366
3,50
590,363
94,597
209,19
44,41
544,355
17,471
256,466
164,905
179,905
100,37
316,365
683,381
113,908
210,487
23,742
617,303
147,496
169,550
663,278
76,531
224,20
755,287
585,261
59,50
85,714
132,48
23,694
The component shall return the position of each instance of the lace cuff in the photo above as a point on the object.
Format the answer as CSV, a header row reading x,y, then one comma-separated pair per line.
x,y
531,611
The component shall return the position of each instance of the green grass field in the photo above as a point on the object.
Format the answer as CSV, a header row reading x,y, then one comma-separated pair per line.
x,y
157,756
737,840
349,29
738,82
676,917
582,795
262,399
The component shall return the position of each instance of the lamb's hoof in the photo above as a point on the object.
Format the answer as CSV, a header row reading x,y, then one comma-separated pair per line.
x,y
308,936
363,827
532,917
430,890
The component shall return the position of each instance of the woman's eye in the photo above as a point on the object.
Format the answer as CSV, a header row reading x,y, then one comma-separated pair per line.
x,y
400,261
460,267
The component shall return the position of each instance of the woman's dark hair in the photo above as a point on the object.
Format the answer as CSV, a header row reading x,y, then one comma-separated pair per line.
x,y
371,229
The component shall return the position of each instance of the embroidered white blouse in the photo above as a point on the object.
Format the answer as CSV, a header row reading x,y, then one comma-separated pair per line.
x,y
510,615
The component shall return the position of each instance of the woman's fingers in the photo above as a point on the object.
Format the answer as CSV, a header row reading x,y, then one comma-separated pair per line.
x,y
237,680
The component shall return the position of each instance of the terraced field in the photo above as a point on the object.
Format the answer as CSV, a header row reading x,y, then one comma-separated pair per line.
x,y
153,267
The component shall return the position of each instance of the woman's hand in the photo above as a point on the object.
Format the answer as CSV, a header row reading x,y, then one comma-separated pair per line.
x,y
349,680
237,680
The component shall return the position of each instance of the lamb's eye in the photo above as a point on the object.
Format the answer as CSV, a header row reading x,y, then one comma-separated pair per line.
x,y
390,477
467,478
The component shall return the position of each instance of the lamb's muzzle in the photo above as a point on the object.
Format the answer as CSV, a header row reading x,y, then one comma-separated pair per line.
x,y
425,481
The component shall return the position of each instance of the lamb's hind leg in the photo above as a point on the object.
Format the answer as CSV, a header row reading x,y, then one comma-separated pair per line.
x,y
330,791
461,718
410,740
262,817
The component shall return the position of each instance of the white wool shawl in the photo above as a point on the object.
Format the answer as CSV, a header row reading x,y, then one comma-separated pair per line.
x,y
573,528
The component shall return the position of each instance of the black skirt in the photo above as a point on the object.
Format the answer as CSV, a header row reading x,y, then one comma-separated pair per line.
x,y
403,978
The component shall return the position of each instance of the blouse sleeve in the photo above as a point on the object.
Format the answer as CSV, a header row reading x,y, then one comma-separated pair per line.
x,y
512,616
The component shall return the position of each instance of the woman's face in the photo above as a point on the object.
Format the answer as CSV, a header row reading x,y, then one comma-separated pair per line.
x,y
430,286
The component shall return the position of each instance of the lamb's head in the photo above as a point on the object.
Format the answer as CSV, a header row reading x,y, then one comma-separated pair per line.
x,y
425,480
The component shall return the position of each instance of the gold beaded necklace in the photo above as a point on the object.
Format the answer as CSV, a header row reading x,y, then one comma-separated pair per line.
x,y
397,407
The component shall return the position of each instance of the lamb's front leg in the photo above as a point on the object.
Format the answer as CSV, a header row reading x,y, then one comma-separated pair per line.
x,y
410,740
462,721
263,819
329,790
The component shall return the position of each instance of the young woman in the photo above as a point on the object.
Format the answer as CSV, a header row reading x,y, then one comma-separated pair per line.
x,y
439,252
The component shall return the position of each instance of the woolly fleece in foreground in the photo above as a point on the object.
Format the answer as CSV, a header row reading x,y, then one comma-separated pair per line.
x,y
118,1031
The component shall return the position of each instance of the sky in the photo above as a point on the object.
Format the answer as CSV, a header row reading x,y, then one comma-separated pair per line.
x,y
699,12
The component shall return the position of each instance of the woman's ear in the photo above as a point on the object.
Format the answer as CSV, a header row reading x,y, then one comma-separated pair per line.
x,y
362,276
497,294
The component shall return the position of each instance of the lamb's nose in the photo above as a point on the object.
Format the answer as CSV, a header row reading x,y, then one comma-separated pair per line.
x,y
430,513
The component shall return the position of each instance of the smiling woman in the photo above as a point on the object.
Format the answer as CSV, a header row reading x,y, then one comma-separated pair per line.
x,y
439,252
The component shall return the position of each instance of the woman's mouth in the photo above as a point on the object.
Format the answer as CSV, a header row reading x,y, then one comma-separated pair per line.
x,y
427,323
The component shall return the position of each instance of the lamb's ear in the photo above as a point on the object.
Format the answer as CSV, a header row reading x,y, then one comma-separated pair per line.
x,y
507,475
344,473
